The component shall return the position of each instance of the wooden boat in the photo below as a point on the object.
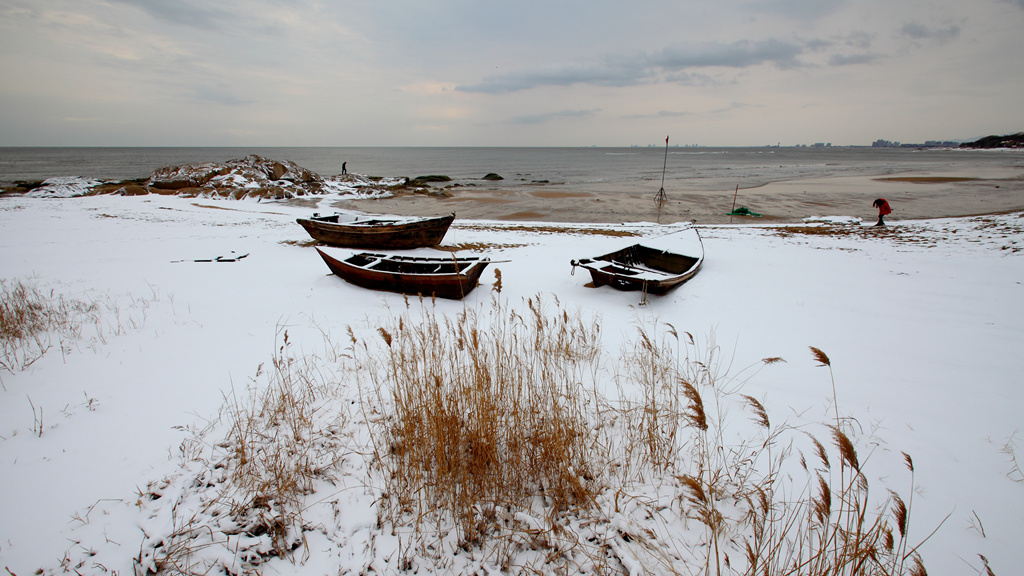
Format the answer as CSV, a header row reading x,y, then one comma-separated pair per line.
x,y
640,267
430,276
378,231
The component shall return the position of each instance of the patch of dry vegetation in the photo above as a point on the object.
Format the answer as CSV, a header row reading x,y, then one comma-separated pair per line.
x,y
240,500
489,440
838,231
488,446
538,229
927,179
1001,230
478,246
479,418
34,320
301,243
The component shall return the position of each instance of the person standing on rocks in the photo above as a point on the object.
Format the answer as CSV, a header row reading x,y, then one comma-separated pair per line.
x,y
344,169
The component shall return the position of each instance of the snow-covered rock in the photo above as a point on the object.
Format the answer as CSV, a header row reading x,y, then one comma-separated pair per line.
x,y
251,176
64,187
188,176
250,172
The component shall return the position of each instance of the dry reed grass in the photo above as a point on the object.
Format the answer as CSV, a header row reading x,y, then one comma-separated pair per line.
x,y
478,246
278,449
301,243
995,230
1010,449
842,231
34,320
28,317
248,488
488,442
488,432
537,229
831,524
480,417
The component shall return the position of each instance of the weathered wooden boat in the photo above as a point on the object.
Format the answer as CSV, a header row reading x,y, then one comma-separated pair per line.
x,y
388,232
430,276
639,267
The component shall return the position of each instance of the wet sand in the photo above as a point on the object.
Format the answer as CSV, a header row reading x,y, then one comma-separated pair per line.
x,y
965,192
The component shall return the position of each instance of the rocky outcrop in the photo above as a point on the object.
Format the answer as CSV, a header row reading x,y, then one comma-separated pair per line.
x,y
22,186
250,170
250,177
189,175
274,169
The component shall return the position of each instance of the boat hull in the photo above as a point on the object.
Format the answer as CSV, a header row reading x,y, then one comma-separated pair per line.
x,y
441,277
378,233
641,268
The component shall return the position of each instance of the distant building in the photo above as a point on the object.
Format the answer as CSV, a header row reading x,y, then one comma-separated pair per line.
x,y
927,144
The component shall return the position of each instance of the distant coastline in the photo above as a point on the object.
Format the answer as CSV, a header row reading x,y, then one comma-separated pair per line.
x,y
988,142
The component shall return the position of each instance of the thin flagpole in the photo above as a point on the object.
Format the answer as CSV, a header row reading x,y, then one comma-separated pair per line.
x,y
734,195
660,198
665,165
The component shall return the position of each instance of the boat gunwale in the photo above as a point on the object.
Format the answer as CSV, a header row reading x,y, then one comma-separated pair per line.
x,y
450,285
396,234
469,261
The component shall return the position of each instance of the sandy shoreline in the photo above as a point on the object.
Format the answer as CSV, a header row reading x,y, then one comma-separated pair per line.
x,y
965,192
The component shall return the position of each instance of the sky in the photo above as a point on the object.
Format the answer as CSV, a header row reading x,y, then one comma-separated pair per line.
x,y
524,73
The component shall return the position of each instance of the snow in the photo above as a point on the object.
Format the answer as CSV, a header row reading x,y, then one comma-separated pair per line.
x,y
833,219
359,187
923,326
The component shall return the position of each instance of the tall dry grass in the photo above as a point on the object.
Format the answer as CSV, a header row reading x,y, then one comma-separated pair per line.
x,y
31,319
277,448
480,416
489,447
818,519
489,419
35,320
241,498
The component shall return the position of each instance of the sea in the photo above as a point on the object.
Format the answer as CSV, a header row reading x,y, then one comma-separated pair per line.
x,y
589,169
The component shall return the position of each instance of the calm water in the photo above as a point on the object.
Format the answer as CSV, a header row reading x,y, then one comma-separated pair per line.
x,y
604,169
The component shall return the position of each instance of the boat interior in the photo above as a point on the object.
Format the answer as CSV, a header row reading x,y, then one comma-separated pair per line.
x,y
638,259
410,264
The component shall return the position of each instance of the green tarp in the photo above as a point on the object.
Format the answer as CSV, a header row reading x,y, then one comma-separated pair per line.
x,y
743,211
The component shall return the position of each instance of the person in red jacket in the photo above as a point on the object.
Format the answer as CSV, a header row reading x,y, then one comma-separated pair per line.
x,y
883,209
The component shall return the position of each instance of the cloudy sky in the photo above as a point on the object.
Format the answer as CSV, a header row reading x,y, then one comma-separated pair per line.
x,y
507,73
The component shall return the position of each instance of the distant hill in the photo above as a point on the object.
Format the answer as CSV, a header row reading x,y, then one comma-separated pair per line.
x,y
1008,141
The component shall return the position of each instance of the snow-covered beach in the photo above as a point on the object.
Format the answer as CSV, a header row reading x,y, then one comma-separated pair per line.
x,y
923,323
